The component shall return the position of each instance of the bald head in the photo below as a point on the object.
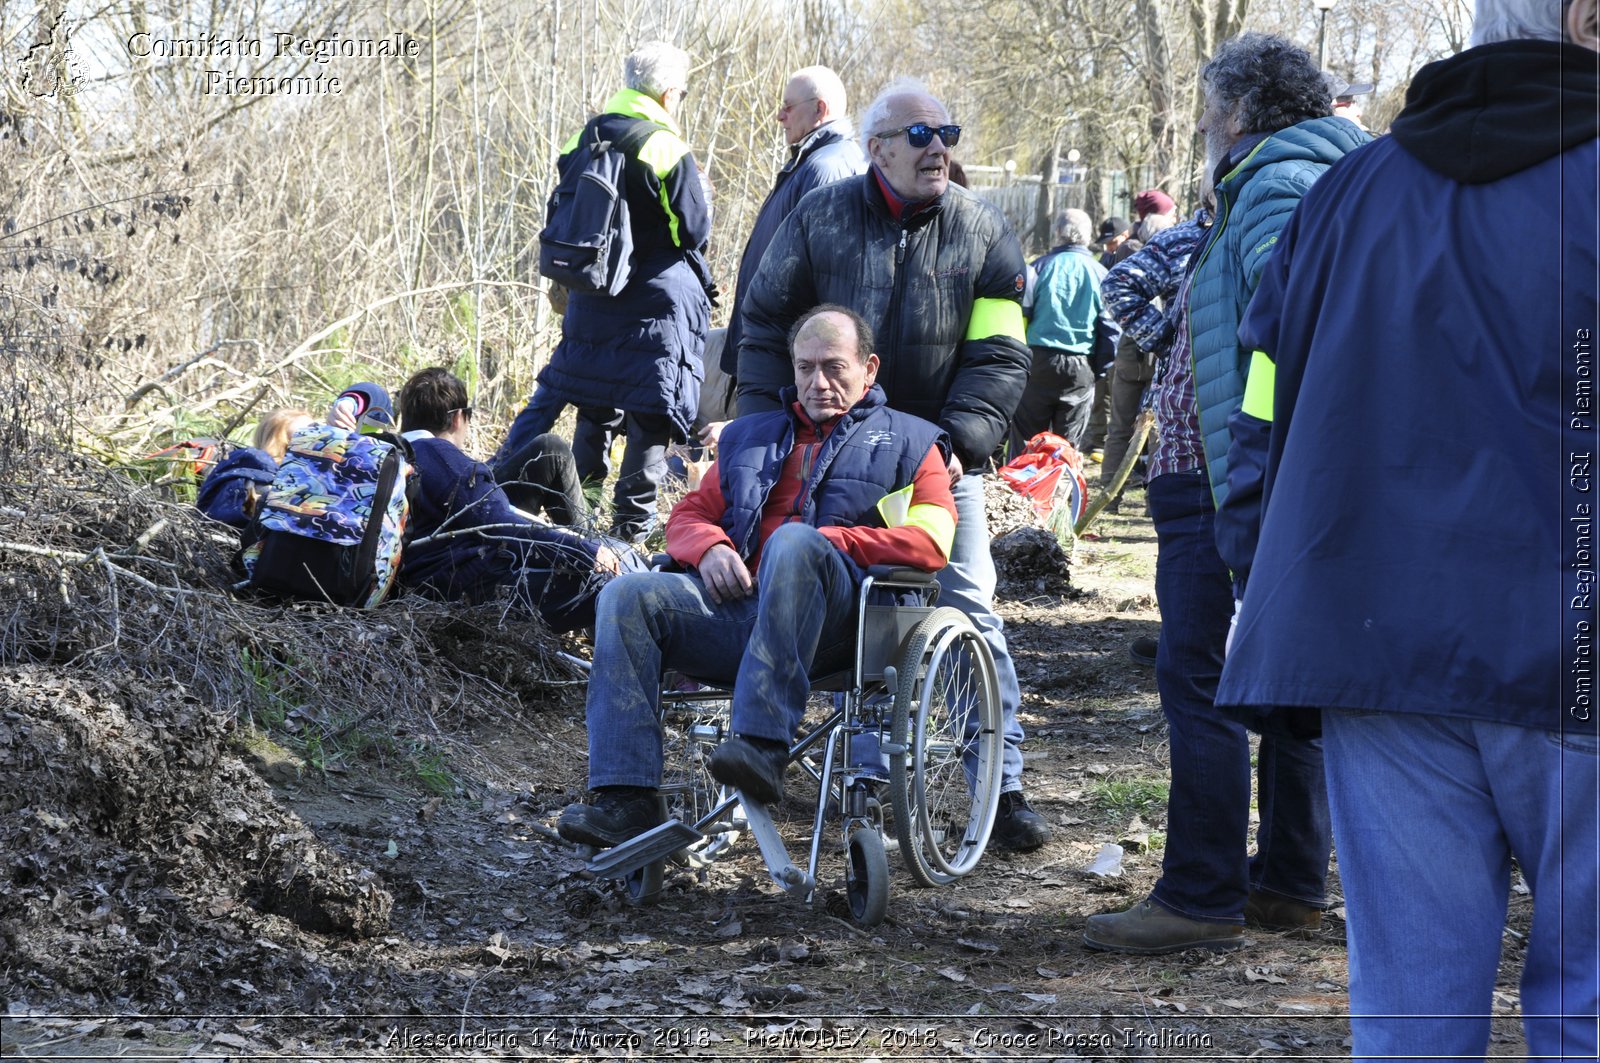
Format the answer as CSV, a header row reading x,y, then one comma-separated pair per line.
x,y
813,97
833,360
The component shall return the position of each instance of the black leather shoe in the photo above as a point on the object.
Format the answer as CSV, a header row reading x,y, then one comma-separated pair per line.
x,y
1017,826
754,765
617,814
1143,651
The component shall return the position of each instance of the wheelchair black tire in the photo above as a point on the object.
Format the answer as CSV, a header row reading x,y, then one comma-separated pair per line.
x,y
866,876
942,825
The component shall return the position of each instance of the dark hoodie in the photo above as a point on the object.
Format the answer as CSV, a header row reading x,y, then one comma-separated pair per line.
x,y
1498,109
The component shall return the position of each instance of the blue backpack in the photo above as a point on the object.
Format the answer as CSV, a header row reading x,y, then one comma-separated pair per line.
x,y
333,524
587,242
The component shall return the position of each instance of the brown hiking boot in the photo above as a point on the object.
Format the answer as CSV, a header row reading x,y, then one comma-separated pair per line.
x,y
1272,912
1149,930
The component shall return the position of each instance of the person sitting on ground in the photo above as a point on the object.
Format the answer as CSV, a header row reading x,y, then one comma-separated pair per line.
x,y
468,541
539,475
229,491
776,537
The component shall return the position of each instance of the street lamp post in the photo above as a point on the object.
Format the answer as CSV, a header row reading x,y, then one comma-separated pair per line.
x,y
1323,6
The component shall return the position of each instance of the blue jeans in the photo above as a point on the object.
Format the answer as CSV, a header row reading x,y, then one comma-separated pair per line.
x,y
800,622
1206,872
536,418
1429,812
967,583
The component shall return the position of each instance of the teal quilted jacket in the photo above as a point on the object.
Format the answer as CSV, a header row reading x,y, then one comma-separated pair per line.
x,y
1254,201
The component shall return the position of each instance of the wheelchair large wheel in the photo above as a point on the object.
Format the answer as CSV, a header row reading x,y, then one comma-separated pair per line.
x,y
690,733
866,876
946,712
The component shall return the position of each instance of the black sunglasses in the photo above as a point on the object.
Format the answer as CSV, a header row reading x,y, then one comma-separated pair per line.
x,y
919,135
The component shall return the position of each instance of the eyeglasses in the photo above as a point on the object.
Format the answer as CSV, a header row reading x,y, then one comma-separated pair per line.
x,y
465,411
784,106
921,134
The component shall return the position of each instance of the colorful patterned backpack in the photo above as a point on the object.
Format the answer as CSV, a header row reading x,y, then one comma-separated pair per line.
x,y
334,521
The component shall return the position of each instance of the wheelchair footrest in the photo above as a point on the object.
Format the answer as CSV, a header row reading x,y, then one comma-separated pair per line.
x,y
779,866
658,843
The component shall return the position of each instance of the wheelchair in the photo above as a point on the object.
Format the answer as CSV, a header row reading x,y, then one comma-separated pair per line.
x,y
922,689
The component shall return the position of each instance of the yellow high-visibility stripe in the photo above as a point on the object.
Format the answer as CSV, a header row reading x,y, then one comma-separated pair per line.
x,y
997,317
1258,387
937,521
661,153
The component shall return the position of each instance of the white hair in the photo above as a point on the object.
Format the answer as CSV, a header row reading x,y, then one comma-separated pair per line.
x,y
825,85
875,119
1073,227
1516,20
654,67
1152,224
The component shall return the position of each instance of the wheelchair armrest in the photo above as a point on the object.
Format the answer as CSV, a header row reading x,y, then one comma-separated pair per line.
x,y
901,574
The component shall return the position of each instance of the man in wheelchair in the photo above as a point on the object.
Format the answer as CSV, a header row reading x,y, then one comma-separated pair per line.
x,y
775,541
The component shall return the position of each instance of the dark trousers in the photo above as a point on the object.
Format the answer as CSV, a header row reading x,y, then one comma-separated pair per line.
x,y
536,418
543,475
1206,871
1060,387
644,463
1130,374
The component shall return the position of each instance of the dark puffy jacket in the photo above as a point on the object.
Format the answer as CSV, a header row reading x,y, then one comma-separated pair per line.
x,y
823,156
640,351
1254,201
225,492
1427,529
495,546
872,448
942,292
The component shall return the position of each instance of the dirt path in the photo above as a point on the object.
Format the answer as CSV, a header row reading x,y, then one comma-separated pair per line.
x,y
497,945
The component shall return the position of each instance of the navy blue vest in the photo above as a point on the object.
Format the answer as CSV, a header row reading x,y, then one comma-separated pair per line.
x,y
872,452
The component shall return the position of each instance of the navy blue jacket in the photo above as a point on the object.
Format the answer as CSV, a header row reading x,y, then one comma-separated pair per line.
x,y
873,450
1422,459
823,156
225,492
550,568
640,350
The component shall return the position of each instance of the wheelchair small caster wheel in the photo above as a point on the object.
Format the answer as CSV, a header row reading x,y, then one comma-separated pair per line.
x,y
644,885
866,877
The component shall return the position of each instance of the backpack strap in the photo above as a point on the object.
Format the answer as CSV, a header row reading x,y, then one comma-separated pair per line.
x,y
633,138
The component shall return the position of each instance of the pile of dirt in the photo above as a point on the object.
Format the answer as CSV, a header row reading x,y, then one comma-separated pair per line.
x,y
134,834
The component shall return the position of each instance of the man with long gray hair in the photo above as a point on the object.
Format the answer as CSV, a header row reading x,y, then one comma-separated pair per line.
x,y
1269,134
1435,598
